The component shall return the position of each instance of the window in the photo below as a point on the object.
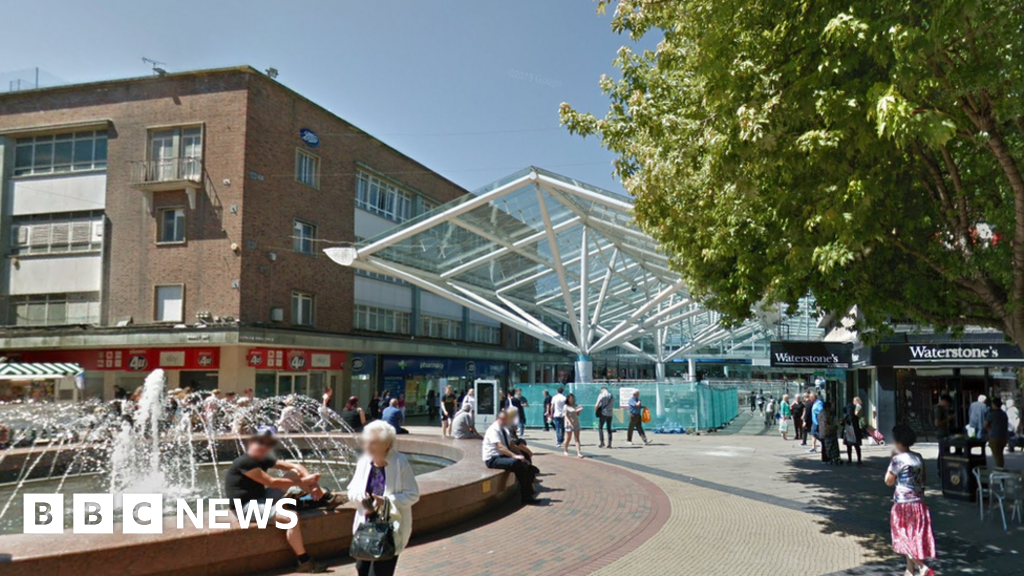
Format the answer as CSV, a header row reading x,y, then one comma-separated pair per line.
x,y
381,198
170,225
170,302
302,308
70,152
445,328
303,237
55,309
307,168
485,334
57,233
375,319
175,154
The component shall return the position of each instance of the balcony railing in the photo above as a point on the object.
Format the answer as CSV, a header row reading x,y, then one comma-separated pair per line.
x,y
155,174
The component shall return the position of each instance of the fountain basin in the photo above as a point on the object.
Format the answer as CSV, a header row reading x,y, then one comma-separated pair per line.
x,y
448,496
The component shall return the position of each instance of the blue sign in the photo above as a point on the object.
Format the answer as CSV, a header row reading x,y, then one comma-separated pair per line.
x,y
309,137
451,367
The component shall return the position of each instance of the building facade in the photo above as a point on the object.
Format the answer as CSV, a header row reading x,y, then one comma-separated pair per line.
x,y
178,222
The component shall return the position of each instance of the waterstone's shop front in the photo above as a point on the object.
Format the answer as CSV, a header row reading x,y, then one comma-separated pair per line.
x,y
912,375
823,365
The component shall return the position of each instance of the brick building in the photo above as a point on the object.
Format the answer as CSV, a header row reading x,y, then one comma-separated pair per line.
x,y
177,221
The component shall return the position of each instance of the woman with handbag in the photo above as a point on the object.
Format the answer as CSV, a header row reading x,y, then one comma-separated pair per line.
x,y
852,433
385,485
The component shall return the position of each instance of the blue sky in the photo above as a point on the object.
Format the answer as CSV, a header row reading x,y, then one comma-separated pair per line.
x,y
470,88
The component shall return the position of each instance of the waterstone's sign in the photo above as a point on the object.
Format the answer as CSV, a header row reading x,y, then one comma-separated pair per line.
x,y
949,353
790,354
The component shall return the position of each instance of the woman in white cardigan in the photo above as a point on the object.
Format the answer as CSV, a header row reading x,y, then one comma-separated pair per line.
x,y
383,477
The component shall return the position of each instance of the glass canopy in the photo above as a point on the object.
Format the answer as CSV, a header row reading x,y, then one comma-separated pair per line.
x,y
557,259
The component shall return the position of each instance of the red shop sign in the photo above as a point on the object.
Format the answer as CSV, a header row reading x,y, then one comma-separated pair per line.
x,y
295,359
132,359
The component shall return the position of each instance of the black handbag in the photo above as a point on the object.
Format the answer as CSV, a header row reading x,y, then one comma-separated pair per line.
x,y
374,539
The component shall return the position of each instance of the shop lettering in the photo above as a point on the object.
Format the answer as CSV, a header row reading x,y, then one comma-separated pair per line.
x,y
787,358
138,363
960,353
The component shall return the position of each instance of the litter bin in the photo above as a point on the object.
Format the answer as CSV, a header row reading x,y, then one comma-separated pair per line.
x,y
958,457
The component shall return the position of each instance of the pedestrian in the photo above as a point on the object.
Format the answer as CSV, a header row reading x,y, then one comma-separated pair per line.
x,y
470,398
558,415
353,415
829,432
753,402
852,434
547,411
432,407
499,454
997,427
324,410
797,410
943,417
393,416
760,402
636,411
447,411
1013,416
375,406
383,482
910,520
817,406
516,401
785,415
401,404
976,414
769,412
572,425
247,481
808,417
603,410
463,427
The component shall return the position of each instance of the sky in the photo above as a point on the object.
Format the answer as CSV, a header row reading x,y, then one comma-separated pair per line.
x,y
470,88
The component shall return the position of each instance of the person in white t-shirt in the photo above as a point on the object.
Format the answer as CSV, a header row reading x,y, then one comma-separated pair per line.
x,y
558,415
498,454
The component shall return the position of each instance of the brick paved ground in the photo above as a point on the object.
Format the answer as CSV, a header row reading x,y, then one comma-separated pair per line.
x,y
739,504
591,515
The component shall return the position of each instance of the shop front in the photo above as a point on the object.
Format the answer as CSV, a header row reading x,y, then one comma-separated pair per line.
x,y
417,376
127,367
284,371
913,375
823,365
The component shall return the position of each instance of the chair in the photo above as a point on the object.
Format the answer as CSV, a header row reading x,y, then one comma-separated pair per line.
x,y
982,477
1009,487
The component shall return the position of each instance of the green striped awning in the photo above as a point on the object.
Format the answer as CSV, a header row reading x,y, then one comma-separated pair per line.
x,y
38,370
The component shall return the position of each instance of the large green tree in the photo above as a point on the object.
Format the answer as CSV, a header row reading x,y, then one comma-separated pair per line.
x,y
867,151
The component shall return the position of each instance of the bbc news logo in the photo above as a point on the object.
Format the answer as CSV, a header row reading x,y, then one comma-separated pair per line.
x,y
143,513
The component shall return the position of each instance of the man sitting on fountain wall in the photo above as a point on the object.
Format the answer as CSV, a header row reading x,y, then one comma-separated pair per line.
x,y
247,480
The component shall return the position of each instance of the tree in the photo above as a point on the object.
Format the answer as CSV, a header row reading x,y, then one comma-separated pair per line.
x,y
869,152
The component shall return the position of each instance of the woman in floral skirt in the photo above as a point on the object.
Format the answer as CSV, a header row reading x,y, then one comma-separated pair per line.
x,y
910,519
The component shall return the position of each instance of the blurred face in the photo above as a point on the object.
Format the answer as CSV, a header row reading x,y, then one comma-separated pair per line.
x,y
500,418
376,447
260,448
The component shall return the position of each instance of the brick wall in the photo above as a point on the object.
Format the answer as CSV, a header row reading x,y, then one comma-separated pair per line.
x,y
275,199
205,264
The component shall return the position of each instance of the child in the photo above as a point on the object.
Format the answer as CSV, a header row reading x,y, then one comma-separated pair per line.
x,y
910,519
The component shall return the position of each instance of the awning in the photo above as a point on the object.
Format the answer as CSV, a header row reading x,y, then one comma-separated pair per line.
x,y
38,371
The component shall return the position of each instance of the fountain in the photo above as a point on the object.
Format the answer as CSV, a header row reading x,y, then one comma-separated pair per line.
x,y
176,444
179,444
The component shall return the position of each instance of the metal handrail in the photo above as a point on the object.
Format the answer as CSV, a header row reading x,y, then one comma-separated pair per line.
x,y
167,170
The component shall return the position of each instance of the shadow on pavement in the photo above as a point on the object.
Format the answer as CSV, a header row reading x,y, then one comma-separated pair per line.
x,y
856,502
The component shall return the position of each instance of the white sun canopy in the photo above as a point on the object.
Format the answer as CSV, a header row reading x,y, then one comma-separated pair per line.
x,y
557,259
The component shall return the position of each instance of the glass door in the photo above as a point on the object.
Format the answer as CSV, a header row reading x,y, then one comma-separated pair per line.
x,y
161,154
292,384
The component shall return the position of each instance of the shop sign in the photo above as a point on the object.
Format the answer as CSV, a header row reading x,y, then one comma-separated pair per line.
x,y
949,353
294,359
309,137
452,367
133,359
800,354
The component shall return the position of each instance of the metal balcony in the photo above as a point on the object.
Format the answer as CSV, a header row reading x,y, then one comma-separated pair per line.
x,y
167,174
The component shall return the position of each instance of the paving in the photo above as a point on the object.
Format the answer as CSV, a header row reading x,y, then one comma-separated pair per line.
x,y
740,503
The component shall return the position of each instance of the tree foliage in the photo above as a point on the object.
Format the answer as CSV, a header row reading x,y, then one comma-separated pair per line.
x,y
867,151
